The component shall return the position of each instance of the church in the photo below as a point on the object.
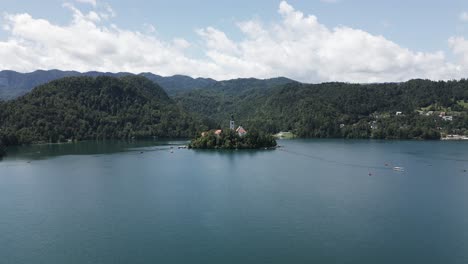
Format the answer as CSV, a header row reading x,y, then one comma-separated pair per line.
x,y
240,130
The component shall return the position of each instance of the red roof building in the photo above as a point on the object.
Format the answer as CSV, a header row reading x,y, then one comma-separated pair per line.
x,y
241,131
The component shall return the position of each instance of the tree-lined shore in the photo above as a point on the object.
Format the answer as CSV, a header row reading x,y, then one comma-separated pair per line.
x,y
132,107
229,139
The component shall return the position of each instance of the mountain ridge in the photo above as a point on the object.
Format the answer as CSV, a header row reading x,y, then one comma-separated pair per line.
x,y
14,84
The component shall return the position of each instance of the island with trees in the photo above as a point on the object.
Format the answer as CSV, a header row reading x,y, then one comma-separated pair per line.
x,y
233,138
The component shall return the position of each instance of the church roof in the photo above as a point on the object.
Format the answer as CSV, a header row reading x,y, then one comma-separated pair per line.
x,y
241,130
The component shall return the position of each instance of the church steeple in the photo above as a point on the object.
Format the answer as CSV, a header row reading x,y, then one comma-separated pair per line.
x,y
231,123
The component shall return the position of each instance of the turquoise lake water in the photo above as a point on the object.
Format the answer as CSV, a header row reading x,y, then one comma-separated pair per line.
x,y
311,201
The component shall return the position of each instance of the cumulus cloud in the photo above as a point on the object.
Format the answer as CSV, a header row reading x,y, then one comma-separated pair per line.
x,y
84,45
298,46
459,46
302,48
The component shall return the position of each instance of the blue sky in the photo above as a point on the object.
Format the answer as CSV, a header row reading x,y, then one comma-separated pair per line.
x,y
419,26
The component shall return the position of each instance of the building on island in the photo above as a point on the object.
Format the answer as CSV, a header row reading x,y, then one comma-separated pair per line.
x,y
241,131
217,132
231,123
447,118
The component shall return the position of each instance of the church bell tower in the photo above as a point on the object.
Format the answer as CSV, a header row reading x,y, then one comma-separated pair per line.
x,y
231,123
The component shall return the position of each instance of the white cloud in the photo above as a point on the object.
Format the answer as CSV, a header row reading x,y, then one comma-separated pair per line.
x,y
459,46
91,2
181,43
218,41
84,45
463,16
298,46
302,48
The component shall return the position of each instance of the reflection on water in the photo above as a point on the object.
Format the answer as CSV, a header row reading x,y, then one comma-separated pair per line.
x,y
44,151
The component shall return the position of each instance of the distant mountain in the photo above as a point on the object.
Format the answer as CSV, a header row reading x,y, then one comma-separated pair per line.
x,y
178,83
14,84
104,107
241,85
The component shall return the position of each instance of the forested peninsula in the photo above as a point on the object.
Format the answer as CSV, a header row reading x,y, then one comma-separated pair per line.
x,y
83,108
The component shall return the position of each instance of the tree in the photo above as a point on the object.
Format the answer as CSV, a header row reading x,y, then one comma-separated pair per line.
x,y
2,149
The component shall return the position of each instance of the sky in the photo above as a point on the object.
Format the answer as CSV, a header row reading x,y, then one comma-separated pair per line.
x,y
310,41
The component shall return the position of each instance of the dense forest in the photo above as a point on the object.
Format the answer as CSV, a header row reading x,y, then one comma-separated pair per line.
x,y
131,106
229,139
2,149
409,110
79,108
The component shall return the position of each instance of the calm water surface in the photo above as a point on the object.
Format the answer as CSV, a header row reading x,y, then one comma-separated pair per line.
x,y
312,201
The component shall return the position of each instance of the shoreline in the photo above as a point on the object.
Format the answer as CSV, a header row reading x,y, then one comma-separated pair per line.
x,y
454,138
446,138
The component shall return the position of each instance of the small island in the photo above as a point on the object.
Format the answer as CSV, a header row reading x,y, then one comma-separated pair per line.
x,y
233,139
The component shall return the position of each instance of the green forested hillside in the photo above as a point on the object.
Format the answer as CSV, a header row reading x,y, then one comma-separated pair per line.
x,y
217,101
341,109
78,108
2,149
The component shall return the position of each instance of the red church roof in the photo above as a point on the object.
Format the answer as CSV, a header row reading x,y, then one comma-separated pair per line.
x,y
241,130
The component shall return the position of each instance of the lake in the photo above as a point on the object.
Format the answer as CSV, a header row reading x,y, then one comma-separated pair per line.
x,y
311,201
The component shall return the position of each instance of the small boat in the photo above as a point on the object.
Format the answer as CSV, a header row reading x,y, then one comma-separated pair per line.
x,y
398,169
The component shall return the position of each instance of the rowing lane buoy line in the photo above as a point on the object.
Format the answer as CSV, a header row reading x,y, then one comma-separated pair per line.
x,y
355,165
